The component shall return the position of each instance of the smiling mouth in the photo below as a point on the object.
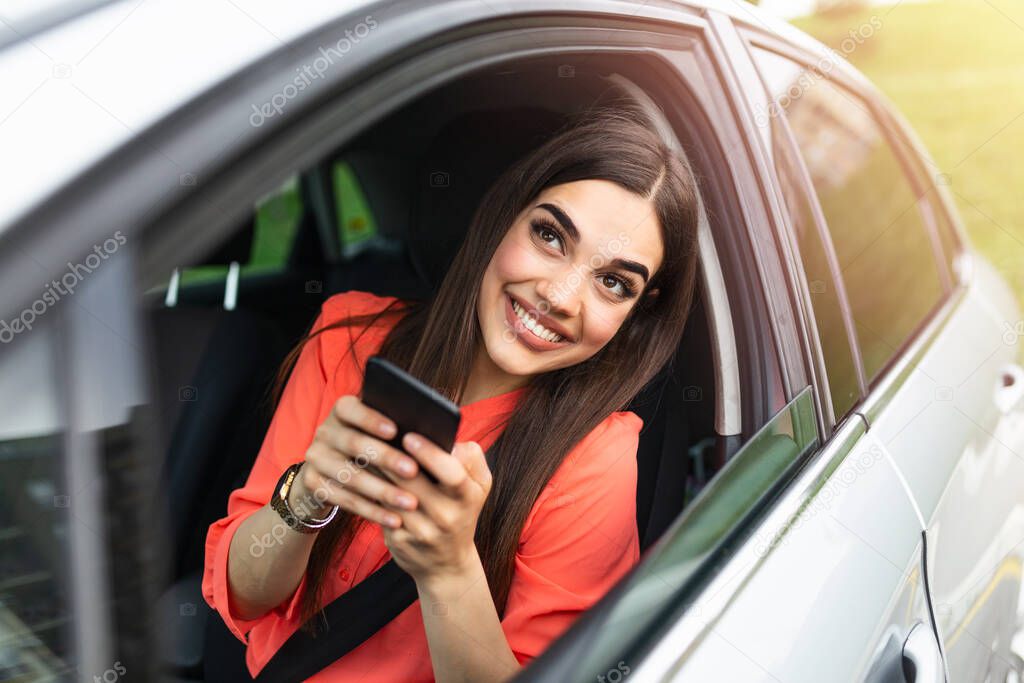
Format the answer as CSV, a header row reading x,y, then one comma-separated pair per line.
x,y
523,322
535,327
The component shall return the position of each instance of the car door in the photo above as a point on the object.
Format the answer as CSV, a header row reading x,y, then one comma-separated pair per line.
x,y
77,578
955,426
942,385
835,589
796,563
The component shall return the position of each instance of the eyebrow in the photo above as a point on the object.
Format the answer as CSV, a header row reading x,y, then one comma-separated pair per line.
x,y
574,234
566,222
632,266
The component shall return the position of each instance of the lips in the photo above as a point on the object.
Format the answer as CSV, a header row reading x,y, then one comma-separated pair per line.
x,y
545,335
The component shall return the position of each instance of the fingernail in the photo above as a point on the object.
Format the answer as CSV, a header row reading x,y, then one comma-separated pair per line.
x,y
413,443
406,467
392,520
405,501
387,429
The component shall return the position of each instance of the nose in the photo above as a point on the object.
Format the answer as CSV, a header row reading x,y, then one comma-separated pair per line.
x,y
564,300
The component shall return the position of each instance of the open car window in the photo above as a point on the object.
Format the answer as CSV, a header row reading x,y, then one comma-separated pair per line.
x,y
384,211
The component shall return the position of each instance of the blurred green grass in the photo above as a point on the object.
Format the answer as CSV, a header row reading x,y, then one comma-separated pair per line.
x,y
955,69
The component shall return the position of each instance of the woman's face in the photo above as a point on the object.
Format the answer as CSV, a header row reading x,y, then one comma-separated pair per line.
x,y
566,275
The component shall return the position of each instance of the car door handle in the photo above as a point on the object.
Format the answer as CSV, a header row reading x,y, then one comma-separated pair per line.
x,y
1010,387
922,660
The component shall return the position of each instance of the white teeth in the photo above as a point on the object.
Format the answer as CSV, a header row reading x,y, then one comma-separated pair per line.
x,y
534,326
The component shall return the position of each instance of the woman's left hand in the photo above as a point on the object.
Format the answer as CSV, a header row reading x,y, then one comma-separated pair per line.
x,y
436,539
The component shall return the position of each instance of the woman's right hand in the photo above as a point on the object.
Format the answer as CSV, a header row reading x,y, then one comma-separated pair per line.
x,y
344,466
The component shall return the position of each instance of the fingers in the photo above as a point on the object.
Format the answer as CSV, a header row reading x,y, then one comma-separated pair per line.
x,y
344,462
434,459
337,465
350,410
351,432
335,493
472,458
420,527
466,463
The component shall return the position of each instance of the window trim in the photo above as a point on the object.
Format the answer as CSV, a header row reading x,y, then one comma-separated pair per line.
x,y
843,76
825,236
738,76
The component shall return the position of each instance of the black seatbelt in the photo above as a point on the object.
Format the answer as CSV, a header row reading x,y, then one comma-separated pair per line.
x,y
352,618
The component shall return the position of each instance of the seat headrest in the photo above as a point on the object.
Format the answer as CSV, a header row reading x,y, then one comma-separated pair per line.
x,y
460,164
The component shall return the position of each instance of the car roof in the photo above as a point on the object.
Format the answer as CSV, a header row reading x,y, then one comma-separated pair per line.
x,y
78,89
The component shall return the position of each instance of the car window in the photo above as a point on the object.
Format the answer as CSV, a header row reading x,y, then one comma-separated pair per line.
x,y
833,335
873,215
937,207
35,601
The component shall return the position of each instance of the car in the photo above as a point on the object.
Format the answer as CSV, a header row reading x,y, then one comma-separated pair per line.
x,y
830,473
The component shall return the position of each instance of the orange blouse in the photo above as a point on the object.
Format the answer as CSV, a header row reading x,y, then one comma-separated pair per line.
x,y
579,539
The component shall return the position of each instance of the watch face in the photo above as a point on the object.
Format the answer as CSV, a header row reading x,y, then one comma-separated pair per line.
x,y
285,483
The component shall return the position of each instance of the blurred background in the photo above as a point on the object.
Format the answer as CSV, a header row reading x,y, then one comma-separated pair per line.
x,y
955,69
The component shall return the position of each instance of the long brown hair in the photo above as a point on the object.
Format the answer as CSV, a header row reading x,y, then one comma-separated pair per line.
x,y
436,340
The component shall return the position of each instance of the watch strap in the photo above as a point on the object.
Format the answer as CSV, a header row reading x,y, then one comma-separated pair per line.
x,y
279,502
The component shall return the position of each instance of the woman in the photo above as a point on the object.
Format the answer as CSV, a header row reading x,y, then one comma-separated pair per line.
x,y
569,293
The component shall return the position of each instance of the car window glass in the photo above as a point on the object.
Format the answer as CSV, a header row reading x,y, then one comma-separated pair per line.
x,y
840,365
935,208
35,601
876,225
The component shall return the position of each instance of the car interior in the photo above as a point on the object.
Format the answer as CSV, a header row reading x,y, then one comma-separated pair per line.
x,y
384,213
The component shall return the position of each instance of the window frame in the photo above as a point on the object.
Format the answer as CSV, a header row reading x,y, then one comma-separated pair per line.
x,y
803,178
879,390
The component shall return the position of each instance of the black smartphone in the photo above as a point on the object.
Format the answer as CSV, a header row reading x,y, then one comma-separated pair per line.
x,y
411,404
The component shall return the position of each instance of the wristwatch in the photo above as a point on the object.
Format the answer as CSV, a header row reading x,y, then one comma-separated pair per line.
x,y
279,501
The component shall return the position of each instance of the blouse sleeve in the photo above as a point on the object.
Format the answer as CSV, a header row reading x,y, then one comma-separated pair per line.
x,y
579,539
291,431
301,409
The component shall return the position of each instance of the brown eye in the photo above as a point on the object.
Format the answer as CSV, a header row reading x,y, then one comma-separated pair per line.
x,y
547,234
617,285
